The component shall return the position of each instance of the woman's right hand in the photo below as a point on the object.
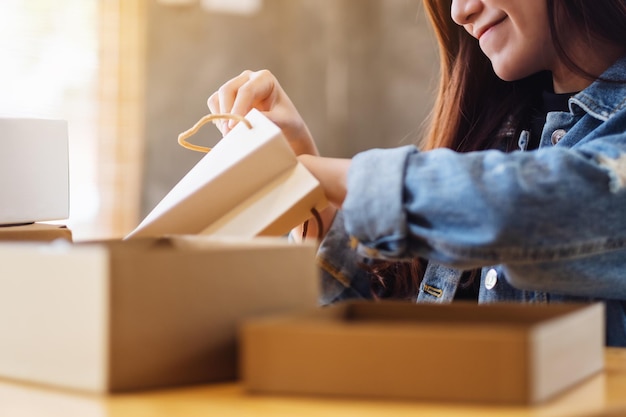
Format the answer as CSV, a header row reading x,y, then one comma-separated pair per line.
x,y
261,90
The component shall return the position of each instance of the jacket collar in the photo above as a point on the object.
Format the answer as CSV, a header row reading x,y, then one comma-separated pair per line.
x,y
605,96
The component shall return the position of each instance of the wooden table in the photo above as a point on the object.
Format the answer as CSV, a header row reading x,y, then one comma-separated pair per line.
x,y
602,395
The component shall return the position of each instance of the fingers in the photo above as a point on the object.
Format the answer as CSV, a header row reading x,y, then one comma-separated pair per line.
x,y
241,94
214,107
229,91
222,100
257,92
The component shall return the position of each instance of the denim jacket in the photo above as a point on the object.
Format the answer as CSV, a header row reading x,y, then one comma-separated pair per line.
x,y
545,225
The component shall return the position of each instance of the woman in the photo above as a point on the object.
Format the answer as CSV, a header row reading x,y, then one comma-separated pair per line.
x,y
520,192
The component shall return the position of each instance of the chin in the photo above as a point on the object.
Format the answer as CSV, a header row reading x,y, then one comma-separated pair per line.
x,y
507,74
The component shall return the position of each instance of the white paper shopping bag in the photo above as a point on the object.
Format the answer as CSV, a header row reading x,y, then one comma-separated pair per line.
x,y
250,184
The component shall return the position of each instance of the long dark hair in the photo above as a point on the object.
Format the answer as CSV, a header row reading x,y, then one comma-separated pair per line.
x,y
603,20
472,103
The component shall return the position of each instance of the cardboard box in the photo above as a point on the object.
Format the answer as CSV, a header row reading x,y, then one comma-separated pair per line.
x,y
497,353
34,170
41,232
146,313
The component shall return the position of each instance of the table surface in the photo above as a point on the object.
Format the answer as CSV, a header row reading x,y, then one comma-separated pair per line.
x,y
602,395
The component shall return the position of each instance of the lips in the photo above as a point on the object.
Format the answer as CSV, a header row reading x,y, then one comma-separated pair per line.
x,y
483,29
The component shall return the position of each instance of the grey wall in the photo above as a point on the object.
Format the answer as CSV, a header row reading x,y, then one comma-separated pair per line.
x,y
361,72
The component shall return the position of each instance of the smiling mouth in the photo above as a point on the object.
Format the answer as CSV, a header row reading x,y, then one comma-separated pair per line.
x,y
489,27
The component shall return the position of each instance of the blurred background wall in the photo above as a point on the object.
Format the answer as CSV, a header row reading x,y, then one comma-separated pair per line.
x,y
361,72
130,75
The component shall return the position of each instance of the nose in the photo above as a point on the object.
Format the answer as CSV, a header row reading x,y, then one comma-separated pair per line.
x,y
465,11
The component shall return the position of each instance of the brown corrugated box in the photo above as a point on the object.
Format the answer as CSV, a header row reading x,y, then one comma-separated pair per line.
x,y
145,313
42,232
499,353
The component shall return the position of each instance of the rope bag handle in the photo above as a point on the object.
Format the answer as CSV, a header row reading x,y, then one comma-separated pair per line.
x,y
182,138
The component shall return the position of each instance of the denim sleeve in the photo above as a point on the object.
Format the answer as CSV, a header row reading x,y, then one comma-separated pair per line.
x,y
342,277
484,208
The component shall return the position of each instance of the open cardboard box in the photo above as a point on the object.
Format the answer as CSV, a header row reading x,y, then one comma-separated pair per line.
x,y
500,353
148,312
145,313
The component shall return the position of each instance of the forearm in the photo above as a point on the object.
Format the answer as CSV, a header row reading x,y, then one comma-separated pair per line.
x,y
332,174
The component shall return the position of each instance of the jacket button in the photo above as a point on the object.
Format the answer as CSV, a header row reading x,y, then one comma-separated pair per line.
x,y
557,135
491,279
